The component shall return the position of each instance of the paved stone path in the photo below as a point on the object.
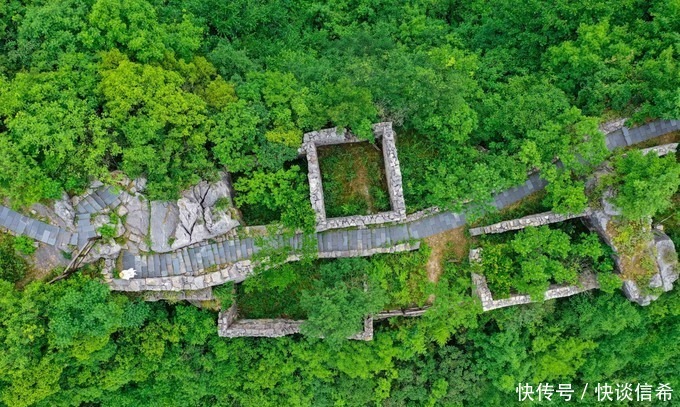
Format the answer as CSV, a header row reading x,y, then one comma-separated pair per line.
x,y
91,204
199,258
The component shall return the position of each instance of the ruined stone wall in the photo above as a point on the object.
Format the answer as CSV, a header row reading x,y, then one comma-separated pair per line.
x,y
410,312
661,150
229,326
587,281
205,294
267,328
539,219
392,168
382,131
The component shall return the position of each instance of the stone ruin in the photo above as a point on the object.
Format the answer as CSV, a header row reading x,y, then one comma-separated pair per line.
x,y
382,131
587,282
538,219
229,326
659,248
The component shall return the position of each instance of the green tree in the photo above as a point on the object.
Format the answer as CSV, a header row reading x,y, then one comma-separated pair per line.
x,y
340,300
284,192
12,266
158,128
644,184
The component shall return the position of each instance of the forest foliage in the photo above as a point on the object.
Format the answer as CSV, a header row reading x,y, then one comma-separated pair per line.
x,y
176,91
479,92
74,342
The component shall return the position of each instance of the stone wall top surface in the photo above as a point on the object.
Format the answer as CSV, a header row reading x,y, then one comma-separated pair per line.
x,y
538,219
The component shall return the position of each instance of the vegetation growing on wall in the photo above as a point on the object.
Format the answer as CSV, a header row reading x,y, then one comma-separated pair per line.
x,y
536,257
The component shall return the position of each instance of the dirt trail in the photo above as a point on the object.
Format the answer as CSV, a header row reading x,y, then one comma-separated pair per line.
x,y
449,245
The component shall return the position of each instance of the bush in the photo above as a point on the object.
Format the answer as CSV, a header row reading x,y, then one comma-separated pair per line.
x,y
609,282
536,257
645,184
24,245
225,295
12,266
107,231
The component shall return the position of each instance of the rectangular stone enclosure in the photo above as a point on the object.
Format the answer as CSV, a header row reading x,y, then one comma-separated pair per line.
x,y
325,137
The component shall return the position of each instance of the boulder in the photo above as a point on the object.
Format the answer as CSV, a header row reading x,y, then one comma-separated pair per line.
x,y
660,248
100,220
64,209
137,219
103,250
666,259
164,222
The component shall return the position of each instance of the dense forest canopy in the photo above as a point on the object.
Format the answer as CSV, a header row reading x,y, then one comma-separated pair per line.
x,y
480,92
177,90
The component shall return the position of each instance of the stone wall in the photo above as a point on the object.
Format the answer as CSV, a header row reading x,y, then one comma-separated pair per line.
x,y
205,294
268,328
409,312
587,281
382,131
392,168
539,219
236,272
661,150
229,326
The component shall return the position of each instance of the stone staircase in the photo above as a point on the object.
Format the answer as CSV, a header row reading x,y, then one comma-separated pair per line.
x,y
209,255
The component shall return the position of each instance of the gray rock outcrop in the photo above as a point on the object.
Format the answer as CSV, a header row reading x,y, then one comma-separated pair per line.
x,y
64,209
659,248
164,221
200,218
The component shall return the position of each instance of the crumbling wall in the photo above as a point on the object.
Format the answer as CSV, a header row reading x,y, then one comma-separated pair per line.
x,y
382,131
538,219
587,281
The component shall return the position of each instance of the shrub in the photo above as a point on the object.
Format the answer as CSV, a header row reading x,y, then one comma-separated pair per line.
x,y
24,245
12,266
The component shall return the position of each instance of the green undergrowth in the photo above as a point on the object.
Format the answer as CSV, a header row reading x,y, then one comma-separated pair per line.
x,y
670,219
13,267
529,260
354,181
276,292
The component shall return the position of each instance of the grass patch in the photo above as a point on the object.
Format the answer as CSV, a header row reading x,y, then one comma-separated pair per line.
x,y
354,181
452,245
631,239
